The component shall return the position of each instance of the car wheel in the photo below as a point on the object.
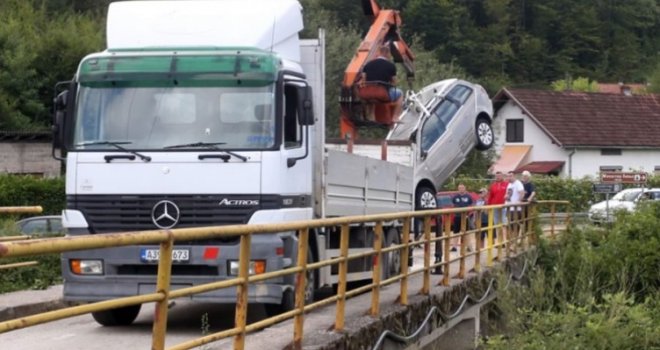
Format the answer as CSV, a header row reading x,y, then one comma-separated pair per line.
x,y
485,134
425,198
391,260
122,316
289,296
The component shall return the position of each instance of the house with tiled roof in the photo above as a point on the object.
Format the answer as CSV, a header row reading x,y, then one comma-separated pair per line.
x,y
576,134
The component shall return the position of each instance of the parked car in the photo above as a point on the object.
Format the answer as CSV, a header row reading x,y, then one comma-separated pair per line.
x,y
41,226
624,200
447,120
444,200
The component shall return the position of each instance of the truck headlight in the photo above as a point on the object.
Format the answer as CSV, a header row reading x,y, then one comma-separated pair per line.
x,y
256,267
86,267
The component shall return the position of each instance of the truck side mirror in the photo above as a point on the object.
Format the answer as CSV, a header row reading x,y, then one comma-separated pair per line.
x,y
58,118
305,106
62,104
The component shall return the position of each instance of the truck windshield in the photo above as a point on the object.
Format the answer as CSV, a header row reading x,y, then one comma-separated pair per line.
x,y
151,118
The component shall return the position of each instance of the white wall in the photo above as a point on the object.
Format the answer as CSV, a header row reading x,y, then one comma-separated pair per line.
x,y
588,161
542,147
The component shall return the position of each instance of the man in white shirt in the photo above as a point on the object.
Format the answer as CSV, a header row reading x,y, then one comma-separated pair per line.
x,y
515,191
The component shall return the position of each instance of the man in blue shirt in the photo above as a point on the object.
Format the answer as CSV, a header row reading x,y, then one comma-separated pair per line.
x,y
460,200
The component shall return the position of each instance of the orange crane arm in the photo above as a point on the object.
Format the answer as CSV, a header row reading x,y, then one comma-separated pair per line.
x,y
384,29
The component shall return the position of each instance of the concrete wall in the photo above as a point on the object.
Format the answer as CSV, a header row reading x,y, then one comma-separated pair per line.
x,y
28,158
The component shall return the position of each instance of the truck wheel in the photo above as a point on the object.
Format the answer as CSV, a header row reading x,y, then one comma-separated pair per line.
x,y
392,260
289,296
122,316
484,134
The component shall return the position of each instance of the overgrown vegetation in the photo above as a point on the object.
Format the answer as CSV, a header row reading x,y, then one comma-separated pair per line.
x,y
495,43
41,276
578,191
595,289
28,191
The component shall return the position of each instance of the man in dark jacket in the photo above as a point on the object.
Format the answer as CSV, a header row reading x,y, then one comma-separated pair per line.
x,y
381,70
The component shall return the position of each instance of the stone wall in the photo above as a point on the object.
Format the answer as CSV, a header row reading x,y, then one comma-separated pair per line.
x,y
28,158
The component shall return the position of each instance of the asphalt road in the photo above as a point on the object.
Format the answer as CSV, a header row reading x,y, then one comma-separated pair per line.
x,y
185,323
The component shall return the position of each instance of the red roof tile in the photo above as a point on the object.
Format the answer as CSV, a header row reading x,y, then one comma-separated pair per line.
x,y
590,119
616,88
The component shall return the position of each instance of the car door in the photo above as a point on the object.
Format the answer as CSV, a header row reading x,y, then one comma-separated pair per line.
x,y
463,124
437,145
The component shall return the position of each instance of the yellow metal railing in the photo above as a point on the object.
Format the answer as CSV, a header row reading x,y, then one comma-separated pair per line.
x,y
515,235
18,210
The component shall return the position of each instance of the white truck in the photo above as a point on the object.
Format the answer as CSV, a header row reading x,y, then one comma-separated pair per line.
x,y
204,113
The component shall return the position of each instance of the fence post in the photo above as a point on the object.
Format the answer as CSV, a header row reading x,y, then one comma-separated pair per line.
x,y
477,239
524,217
426,280
509,226
463,238
375,289
552,219
531,217
489,255
242,291
162,286
446,256
343,270
301,282
403,298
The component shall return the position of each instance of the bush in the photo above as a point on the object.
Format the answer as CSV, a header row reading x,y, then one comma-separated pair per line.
x,y
578,191
594,289
29,191
46,273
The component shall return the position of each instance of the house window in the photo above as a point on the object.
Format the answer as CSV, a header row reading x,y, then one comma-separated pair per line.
x,y
656,170
611,168
514,130
610,151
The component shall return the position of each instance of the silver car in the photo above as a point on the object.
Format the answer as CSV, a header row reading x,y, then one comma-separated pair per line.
x,y
446,120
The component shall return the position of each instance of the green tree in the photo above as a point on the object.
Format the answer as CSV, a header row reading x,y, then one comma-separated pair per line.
x,y
654,80
581,84
37,49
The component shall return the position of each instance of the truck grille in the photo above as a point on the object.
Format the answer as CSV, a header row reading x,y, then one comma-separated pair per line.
x,y
117,213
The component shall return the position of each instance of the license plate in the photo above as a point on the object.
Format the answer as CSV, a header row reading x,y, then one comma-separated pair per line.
x,y
152,255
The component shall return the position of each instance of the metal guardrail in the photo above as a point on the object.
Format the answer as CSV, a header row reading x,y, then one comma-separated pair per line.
x,y
519,232
18,210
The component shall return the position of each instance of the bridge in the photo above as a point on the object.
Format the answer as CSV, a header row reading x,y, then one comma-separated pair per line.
x,y
417,308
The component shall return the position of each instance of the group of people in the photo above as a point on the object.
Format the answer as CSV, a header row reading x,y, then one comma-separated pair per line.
x,y
510,191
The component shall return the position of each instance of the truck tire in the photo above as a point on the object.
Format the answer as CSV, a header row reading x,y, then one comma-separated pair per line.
x,y
289,296
122,316
392,260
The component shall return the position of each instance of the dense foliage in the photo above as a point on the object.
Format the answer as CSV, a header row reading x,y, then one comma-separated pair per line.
x,y
495,43
30,191
595,289
46,273
578,191
39,46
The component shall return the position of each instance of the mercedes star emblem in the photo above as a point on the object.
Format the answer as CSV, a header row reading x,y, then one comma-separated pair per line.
x,y
165,214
